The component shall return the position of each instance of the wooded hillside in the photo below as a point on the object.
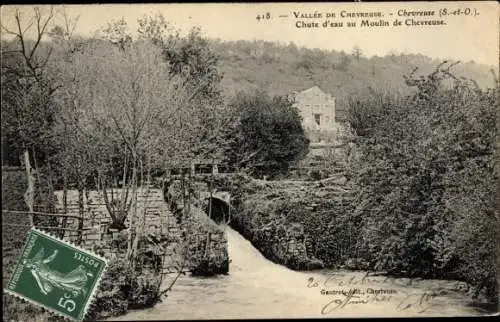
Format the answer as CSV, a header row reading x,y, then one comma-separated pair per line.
x,y
281,69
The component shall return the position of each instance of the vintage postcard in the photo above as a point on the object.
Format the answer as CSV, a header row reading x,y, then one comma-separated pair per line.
x,y
250,160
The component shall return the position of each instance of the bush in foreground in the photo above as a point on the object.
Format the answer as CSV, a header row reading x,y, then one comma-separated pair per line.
x,y
121,289
425,178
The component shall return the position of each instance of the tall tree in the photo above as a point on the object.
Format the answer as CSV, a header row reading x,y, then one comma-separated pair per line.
x,y
190,56
26,88
27,112
264,134
357,53
194,62
424,176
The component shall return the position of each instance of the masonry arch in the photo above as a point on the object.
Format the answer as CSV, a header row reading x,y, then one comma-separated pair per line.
x,y
218,210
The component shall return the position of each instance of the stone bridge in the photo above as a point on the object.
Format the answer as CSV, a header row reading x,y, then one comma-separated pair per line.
x,y
216,194
213,200
209,194
217,206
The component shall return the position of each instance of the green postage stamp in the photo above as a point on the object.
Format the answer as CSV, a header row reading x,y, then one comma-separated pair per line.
x,y
56,275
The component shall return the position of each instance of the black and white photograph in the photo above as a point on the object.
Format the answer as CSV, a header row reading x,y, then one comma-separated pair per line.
x,y
250,160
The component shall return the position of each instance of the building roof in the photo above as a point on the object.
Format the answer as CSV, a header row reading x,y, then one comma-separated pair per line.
x,y
313,89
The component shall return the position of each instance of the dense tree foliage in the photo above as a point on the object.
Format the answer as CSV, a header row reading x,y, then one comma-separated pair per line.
x,y
264,135
424,175
191,56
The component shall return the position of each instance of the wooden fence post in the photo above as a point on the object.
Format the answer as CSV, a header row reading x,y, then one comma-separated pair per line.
x,y
81,212
30,191
65,204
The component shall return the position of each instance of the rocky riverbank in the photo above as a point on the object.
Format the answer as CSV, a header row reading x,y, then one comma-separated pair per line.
x,y
300,224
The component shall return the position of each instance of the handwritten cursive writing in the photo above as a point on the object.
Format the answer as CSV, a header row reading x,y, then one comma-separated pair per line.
x,y
339,303
340,279
422,302
348,290
353,297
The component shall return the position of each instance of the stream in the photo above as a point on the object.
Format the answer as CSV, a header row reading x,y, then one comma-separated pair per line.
x,y
259,288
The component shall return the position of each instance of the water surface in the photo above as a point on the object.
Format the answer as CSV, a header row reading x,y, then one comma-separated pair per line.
x,y
259,288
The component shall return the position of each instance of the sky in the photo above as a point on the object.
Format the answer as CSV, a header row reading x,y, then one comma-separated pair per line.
x,y
465,36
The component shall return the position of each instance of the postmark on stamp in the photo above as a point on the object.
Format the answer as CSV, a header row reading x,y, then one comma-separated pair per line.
x,y
56,275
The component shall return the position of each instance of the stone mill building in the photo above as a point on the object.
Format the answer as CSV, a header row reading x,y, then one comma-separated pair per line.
x,y
317,109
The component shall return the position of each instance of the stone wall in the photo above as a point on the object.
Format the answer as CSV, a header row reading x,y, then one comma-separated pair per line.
x,y
180,238
151,210
208,246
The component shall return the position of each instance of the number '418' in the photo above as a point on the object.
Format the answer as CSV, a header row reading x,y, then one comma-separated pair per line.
x,y
267,15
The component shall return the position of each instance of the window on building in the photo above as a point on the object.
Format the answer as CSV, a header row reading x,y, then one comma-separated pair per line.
x,y
317,118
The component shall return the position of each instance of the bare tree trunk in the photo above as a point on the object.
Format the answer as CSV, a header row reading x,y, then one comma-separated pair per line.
x,y
133,233
140,229
38,179
29,194
107,202
189,195
124,178
81,211
125,189
138,224
50,181
130,253
183,190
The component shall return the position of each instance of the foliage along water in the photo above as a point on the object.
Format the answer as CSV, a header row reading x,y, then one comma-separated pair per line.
x,y
258,288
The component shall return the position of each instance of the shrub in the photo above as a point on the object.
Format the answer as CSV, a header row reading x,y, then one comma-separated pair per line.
x,y
211,263
207,254
424,175
14,309
144,291
122,289
111,298
14,186
262,218
315,174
